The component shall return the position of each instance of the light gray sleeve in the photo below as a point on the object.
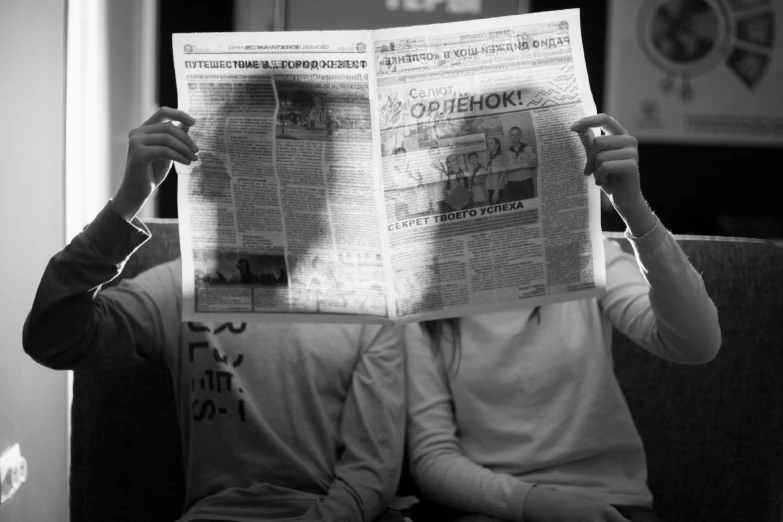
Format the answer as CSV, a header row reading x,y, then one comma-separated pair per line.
x,y
372,432
438,467
659,300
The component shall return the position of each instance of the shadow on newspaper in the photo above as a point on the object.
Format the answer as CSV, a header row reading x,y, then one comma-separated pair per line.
x,y
284,212
282,205
461,200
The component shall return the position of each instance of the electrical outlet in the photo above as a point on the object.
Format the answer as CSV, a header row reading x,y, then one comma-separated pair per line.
x,y
13,471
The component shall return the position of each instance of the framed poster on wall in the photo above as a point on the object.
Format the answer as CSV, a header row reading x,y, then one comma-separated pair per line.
x,y
697,71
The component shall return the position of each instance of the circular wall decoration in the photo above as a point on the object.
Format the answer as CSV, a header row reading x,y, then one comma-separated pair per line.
x,y
688,38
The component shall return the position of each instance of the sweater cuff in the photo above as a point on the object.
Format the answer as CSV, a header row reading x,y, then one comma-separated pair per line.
x,y
113,238
516,503
649,241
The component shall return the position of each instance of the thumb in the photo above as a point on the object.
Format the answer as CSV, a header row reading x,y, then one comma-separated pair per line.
x,y
585,136
160,170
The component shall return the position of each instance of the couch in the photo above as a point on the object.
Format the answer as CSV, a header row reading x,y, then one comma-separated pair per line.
x,y
713,433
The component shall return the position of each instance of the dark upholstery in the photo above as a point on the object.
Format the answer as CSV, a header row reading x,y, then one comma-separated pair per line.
x,y
126,462
713,433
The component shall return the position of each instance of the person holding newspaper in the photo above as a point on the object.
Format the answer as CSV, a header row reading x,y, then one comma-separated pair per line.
x,y
517,415
496,167
521,178
478,178
309,423
458,194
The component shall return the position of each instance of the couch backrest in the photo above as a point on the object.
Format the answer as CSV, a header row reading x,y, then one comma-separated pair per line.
x,y
713,433
126,462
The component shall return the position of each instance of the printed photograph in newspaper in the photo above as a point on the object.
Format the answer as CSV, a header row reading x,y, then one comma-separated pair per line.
x,y
311,113
469,163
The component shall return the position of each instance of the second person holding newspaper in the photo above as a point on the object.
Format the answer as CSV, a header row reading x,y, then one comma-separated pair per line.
x,y
517,415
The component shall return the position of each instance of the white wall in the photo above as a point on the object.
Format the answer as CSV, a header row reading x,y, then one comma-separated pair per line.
x,y
32,95
111,82
258,15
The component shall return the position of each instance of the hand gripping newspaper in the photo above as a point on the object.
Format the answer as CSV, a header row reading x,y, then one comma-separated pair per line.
x,y
387,176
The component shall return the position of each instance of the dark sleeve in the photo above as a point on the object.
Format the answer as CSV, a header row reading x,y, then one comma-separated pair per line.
x,y
74,325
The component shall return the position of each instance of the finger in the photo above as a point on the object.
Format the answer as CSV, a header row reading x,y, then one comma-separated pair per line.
x,y
169,114
606,122
607,169
169,141
586,137
616,155
603,143
155,153
615,141
168,128
154,142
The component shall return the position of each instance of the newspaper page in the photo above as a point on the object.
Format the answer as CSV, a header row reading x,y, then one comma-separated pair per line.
x,y
486,204
388,176
280,218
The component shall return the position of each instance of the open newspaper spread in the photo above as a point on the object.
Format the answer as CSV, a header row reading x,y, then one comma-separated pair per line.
x,y
387,176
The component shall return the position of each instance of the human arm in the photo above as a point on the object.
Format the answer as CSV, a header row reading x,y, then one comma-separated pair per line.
x,y
72,324
659,300
502,178
442,473
445,476
415,176
613,161
151,149
439,166
482,171
532,162
372,432
75,324
529,158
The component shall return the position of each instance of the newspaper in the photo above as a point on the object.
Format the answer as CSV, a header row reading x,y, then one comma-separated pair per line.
x,y
387,176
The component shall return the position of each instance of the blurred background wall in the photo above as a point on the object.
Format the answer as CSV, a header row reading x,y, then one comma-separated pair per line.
x,y
33,400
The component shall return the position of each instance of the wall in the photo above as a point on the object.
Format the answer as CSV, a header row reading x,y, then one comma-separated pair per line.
x,y
707,190
183,16
112,48
32,95
132,77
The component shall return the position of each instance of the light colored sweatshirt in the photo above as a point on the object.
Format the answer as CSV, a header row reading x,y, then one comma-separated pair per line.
x,y
278,421
537,403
